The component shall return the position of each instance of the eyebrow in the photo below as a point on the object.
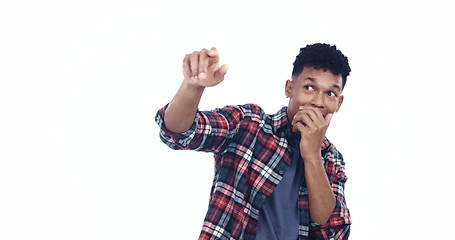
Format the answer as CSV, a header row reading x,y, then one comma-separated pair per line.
x,y
314,80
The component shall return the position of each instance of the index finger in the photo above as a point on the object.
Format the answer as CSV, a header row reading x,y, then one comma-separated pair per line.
x,y
203,61
314,112
213,53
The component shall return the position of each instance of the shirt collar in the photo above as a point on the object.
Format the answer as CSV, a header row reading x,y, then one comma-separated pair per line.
x,y
280,120
281,126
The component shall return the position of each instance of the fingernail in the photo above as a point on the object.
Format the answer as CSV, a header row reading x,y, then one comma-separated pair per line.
x,y
202,75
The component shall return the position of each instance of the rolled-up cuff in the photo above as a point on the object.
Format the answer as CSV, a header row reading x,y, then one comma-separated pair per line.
x,y
175,140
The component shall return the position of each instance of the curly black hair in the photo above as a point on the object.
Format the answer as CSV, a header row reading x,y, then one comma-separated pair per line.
x,y
322,56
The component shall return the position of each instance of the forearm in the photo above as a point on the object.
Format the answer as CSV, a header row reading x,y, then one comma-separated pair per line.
x,y
182,109
321,198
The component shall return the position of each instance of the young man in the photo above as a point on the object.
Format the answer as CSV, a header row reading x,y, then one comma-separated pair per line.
x,y
277,177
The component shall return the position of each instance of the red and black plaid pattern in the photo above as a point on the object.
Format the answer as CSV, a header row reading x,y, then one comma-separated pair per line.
x,y
251,153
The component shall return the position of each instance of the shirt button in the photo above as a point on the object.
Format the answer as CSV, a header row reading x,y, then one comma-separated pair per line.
x,y
280,172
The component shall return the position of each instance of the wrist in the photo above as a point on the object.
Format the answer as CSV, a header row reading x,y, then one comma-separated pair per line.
x,y
192,88
187,85
315,157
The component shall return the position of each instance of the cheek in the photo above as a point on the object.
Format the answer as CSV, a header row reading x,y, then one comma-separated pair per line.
x,y
306,99
302,99
332,105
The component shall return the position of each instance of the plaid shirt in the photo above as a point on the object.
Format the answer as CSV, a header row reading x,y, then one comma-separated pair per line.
x,y
252,152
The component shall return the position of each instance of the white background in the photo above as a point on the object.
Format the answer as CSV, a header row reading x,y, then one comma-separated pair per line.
x,y
81,81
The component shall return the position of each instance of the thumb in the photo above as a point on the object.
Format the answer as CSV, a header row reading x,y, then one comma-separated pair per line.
x,y
221,71
298,127
328,117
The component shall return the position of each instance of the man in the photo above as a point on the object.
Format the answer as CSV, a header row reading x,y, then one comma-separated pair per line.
x,y
277,177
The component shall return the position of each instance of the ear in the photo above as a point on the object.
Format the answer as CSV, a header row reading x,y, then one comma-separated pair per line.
x,y
288,88
340,101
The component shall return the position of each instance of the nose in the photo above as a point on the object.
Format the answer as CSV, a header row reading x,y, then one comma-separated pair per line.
x,y
317,100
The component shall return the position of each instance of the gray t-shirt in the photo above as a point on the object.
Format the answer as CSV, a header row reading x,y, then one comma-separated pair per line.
x,y
279,217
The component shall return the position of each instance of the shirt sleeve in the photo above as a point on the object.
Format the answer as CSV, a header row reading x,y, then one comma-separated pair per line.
x,y
339,224
211,131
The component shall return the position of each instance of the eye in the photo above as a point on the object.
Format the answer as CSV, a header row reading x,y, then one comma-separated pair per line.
x,y
308,86
333,94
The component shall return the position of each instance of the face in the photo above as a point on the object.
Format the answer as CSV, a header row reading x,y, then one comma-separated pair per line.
x,y
314,88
